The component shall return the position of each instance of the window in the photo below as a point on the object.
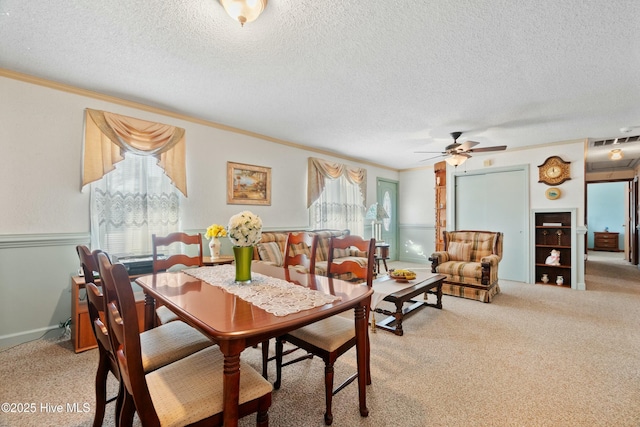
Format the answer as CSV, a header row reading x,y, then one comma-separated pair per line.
x,y
336,196
130,204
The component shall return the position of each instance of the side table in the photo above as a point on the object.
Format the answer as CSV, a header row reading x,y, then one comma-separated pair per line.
x,y
382,254
223,259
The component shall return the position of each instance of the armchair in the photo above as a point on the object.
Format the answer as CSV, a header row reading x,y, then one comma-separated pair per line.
x,y
470,261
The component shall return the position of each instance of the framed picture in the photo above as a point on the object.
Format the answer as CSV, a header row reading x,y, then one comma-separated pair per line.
x,y
248,184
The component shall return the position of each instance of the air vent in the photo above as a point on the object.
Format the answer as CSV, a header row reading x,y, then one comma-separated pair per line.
x,y
606,142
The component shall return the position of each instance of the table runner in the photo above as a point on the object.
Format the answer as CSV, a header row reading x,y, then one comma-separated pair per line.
x,y
275,296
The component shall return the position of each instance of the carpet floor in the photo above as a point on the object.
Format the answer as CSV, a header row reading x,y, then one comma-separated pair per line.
x,y
538,355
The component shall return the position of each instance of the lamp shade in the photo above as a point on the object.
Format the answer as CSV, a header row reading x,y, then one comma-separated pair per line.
x,y
376,213
244,11
456,160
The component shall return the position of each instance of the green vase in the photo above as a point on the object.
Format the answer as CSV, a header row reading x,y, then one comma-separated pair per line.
x,y
243,256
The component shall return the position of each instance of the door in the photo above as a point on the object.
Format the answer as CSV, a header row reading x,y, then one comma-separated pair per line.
x,y
387,195
478,207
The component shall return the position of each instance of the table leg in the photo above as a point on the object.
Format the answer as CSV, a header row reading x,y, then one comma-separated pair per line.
x,y
439,295
362,354
231,381
399,316
149,312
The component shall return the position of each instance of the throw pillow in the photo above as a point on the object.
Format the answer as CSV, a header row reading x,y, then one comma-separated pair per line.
x,y
341,253
270,252
459,251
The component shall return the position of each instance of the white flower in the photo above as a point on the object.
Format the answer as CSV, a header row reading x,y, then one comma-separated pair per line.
x,y
245,229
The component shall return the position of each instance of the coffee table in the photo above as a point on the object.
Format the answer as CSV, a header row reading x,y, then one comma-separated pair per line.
x,y
423,284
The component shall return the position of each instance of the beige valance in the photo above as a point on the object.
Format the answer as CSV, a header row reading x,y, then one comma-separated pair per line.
x,y
108,136
319,170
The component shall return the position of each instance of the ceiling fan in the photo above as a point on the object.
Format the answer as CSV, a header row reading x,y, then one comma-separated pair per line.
x,y
457,153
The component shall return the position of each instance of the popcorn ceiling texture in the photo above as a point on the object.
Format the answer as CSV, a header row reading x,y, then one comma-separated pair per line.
x,y
353,77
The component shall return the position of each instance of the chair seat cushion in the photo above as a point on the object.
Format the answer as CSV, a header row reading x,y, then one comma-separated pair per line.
x,y
169,342
462,272
190,389
328,334
165,315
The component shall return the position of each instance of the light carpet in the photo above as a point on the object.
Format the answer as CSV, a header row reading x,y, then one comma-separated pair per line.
x,y
538,355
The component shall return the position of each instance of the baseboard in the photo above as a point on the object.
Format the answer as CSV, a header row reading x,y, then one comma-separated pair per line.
x,y
10,340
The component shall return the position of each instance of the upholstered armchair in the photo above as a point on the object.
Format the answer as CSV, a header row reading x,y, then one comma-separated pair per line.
x,y
470,261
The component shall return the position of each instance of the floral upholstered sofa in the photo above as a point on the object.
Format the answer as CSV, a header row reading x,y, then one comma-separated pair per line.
x,y
470,262
271,249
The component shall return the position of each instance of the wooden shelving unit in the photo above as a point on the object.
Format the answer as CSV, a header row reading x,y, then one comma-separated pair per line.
x,y
440,170
553,230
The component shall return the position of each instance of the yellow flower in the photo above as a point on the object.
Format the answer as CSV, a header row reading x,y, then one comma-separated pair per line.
x,y
215,230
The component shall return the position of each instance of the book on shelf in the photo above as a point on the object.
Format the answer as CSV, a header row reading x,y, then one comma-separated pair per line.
x,y
551,224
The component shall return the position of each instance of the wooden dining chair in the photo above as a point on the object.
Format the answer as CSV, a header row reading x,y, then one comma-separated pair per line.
x,y
331,337
299,253
186,392
160,346
163,314
107,362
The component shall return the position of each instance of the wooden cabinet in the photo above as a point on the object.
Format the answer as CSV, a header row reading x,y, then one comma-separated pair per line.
x,y
440,169
553,232
81,332
605,241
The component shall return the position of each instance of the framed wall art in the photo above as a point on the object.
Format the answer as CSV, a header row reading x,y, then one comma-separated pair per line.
x,y
248,184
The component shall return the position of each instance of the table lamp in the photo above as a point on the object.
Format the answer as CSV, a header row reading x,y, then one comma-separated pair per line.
x,y
376,214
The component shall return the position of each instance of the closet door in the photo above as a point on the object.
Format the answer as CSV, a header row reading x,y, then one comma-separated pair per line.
x,y
497,201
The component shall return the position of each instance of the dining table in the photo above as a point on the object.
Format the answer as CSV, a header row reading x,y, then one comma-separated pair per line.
x,y
207,299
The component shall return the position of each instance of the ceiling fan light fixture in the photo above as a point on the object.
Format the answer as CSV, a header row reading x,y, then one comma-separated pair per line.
x,y
244,11
616,154
456,160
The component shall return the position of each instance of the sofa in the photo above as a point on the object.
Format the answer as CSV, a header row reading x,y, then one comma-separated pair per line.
x,y
270,249
470,261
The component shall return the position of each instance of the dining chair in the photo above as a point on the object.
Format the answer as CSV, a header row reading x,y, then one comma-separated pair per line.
x,y
300,254
331,337
160,346
163,314
300,251
186,392
106,356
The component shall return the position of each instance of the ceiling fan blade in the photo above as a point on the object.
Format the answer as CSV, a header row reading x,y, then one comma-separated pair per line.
x,y
431,158
431,152
467,145
482,149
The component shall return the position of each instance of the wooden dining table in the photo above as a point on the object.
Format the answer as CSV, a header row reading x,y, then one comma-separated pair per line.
x,y
235,324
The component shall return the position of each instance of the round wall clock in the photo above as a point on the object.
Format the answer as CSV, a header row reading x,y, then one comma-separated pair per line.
x,y
554,171
553,193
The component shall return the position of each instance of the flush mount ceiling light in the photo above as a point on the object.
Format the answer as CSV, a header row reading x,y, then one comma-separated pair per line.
x,y
244,11
616,154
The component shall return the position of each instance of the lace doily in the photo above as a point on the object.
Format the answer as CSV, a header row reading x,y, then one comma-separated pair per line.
x,y
275,296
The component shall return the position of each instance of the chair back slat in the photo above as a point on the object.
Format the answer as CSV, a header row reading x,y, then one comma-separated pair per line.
x,y
300,249
357,269
160,264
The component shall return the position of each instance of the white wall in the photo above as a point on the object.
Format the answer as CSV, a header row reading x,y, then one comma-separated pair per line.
x,y
44,214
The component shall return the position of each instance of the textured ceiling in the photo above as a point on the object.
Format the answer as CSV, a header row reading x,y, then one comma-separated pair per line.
x,y
375,80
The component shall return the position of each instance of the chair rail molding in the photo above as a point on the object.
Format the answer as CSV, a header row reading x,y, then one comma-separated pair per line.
x,y
38,240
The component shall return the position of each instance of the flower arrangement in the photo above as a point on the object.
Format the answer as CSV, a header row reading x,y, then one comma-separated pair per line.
x,y
245,229
215,230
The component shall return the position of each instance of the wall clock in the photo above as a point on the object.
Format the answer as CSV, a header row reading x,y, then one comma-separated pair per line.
x,y
553,193
554,171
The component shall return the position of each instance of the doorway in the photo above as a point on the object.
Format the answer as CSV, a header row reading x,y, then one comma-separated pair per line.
x,y
611,207
387,196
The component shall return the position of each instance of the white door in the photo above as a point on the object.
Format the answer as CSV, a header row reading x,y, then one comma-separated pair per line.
x,y
387,194
497,201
